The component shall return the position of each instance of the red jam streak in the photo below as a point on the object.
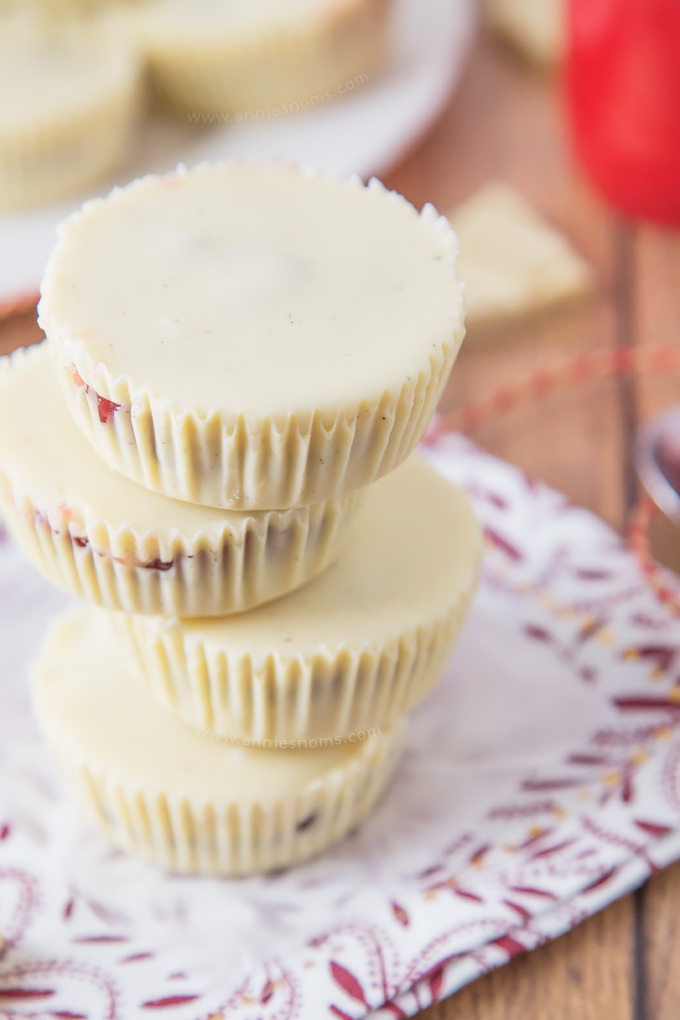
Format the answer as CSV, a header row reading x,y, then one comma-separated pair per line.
x,y
107,408
83,543
162,565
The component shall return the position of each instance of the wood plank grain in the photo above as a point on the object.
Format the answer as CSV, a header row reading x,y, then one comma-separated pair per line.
x,y
661,942
506,123
657,319
19,331
585,975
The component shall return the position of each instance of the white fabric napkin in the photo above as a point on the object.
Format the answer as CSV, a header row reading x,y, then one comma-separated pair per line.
x,y
540,782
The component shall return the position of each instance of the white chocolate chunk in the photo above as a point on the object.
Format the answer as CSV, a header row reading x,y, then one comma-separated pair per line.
x,y
534,27
513,262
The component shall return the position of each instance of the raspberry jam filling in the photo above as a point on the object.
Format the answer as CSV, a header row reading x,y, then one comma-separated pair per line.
x,y
125,561
106,408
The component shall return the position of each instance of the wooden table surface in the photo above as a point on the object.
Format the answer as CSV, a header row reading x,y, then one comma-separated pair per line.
x,y
505,123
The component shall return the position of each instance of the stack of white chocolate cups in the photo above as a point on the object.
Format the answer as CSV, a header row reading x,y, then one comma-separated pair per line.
x,y
211,449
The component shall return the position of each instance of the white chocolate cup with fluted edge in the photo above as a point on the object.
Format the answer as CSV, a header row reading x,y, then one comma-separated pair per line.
x,y
210,58
97,535
356,648
70,97
184,801
270,338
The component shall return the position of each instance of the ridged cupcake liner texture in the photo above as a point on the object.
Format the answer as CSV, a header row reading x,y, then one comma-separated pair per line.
x,y
166,820
120,570
98,536
49,157
244,464
204,460
55,160
356,648
271,69
303,701
229,838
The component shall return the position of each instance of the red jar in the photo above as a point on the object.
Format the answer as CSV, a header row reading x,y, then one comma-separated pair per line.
x,y
623,87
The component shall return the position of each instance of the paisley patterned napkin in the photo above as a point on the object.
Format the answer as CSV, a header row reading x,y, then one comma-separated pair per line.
x,y
540,782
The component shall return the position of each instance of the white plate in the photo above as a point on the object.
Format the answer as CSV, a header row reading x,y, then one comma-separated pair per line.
x,y
364,131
